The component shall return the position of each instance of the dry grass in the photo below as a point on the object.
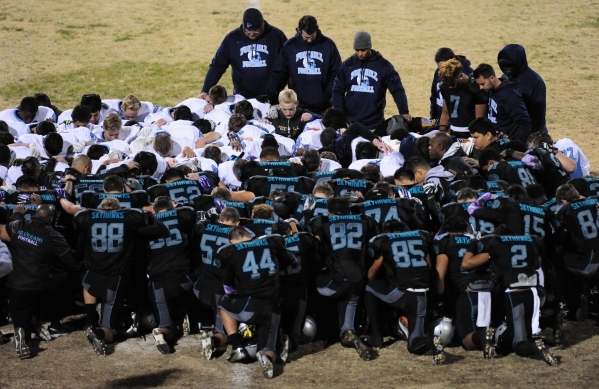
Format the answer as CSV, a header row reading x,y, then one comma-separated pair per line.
x,y
161,51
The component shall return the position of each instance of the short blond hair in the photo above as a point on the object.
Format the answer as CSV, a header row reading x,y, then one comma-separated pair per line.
x,y
112,121
287,96
110,203
131,102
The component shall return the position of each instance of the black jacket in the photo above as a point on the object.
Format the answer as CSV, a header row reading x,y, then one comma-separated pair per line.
x,y
251,61
309,69
37,251
290,128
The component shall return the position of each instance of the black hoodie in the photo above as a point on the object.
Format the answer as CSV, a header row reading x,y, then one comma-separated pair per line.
x,y
251,60
360,89
508,112
309,69
530,84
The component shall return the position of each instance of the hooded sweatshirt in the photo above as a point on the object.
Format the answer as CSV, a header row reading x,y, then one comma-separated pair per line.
x,y
309,69
508,112
453,160
436,98
361,86
440,177
530,84
251,60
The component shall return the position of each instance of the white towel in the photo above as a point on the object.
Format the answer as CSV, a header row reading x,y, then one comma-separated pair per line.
x,y
484,309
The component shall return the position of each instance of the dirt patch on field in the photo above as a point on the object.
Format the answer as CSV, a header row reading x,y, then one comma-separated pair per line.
x,y
70,362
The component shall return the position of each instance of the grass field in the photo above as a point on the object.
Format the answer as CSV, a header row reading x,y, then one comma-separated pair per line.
x,y
161,50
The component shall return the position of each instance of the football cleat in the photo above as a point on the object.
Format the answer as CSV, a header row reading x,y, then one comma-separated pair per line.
x,y
374,341
489,348
364,351
98,344
161,344
543,353
402,324
558,330
438,351
285,344
20,344
207,345
41,331
238,354
583,311
266,365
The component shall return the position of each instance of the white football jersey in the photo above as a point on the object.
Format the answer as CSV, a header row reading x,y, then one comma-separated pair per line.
x,y
571,150
146,109
17,126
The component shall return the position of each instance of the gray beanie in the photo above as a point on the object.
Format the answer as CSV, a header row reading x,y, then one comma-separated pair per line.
x,y
362,41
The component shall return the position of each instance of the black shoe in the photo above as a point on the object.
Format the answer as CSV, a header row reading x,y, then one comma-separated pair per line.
x,y
266,365
374,341
161,344
438,351
489,348
364,351
543,353
20,344
41,331
58,331
97,343
583,311
284,353
238,354
558,330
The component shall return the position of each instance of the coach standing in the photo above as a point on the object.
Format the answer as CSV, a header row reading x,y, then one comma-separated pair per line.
x,y
308,63
361,86
251,50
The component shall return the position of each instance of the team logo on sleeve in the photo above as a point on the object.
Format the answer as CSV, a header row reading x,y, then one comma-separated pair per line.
x,y
254,57
492,110
309,63
364,79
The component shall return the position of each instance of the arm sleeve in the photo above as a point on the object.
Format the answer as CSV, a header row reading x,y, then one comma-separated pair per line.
x,y
63,252
519,114
357,129
335,66
538,107
5,260
397,91
154,229
339,88
218,66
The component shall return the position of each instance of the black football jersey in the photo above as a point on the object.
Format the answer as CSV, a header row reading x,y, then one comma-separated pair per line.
x,y
308,259
551,174
134,199
259,227
182,191
319,207
461,210
252,268
404,257
581,222
146,181
513,258
170,255
406,210
461,102
6,211
340,187
108,239
278,169
345,240
264,186
454,246
512,172
87,183
207,238
320,177
587,186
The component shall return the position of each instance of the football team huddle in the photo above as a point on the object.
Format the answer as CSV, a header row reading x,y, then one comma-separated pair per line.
x,y
249,218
